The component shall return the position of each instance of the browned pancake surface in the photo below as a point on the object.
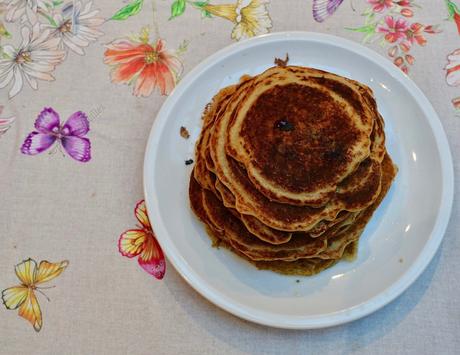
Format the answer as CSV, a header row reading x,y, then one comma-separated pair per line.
x,y
299,137
300,131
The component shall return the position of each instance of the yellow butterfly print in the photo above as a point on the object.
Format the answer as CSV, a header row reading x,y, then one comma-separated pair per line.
x,y
23,296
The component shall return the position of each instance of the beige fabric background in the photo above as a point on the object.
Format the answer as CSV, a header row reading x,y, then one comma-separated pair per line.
x,y
53,208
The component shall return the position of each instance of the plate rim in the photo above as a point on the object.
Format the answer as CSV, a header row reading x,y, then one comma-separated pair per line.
x,y
359,310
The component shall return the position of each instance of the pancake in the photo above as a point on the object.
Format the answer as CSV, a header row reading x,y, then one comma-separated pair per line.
x,y
299,132
290,166
250,201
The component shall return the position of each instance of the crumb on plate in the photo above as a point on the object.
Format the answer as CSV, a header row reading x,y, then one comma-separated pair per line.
x,y
184,133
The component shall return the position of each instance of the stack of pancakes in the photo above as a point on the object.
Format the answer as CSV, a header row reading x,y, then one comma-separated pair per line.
x,y
290,165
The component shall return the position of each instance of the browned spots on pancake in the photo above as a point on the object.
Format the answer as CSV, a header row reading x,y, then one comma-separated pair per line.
x,y
289,214
344,91
357,194
194,192
310,155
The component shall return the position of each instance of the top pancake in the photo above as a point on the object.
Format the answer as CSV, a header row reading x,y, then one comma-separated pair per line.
x,y
298,132
358,191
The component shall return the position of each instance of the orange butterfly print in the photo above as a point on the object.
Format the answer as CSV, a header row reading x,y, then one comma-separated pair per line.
x,y
22,297
143,243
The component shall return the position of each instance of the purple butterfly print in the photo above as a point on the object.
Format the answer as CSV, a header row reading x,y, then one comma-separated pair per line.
x,y
70,134
322,9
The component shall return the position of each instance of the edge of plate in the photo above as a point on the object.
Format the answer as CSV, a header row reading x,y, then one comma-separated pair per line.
x,y
330,319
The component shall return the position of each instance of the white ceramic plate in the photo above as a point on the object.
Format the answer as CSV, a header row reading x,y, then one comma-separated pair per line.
x,y
397,244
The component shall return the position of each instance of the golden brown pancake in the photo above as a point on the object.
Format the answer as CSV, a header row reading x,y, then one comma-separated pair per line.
x,y
299,132
293,197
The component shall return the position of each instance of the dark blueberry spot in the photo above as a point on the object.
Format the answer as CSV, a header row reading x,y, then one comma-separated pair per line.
x,y
284,125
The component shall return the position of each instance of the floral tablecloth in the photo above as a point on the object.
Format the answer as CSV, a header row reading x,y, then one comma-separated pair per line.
x,y
80,84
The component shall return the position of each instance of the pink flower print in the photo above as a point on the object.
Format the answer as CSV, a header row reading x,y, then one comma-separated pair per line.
x,y
380,5
394,30
407,12
414,34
